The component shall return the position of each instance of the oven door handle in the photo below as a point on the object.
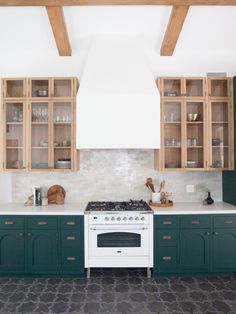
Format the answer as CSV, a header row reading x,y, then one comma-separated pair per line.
x,y
119,229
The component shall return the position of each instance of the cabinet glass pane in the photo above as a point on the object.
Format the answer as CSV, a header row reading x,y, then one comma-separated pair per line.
x,y
219,88
14,135
220,135
62,88
195,128
172,87
172,134
194,87
39,88
14,88
62,114
39,135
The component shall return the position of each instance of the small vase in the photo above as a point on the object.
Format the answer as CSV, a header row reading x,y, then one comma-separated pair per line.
x,y
209,200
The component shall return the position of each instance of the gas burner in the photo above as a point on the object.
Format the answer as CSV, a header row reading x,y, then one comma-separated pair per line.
x,y
132,205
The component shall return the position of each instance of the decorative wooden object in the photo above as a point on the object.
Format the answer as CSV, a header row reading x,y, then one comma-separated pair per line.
x,y
168,204
56,195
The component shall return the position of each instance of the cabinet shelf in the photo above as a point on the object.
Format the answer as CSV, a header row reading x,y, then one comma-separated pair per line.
x,y
39,123
172,122
39,147
62,147
15,123
170,146
219,122
192,147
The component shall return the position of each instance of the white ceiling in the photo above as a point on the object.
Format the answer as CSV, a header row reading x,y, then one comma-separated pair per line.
x,y
207,42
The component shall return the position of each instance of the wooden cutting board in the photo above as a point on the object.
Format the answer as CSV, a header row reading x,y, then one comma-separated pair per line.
x,y
56,195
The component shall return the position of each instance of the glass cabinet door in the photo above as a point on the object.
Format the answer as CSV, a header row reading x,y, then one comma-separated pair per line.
x,y
219,87
62,134
39,135
172,134
195,134
172,87
219,134
40,88
195,87
14,135
14,88
63,88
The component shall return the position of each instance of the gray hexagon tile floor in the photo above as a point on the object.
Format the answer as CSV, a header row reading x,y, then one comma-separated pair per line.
x,y
119,291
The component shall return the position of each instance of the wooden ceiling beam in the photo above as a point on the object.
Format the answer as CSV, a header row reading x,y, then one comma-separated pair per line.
x,y
57,20
176,21
7,3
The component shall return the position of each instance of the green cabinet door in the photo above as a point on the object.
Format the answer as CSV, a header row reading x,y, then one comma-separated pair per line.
x,y
12,251
224,249
42,251
194,249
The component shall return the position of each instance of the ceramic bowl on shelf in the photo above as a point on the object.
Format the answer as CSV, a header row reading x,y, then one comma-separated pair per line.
x,y
192,163
42,93
63,163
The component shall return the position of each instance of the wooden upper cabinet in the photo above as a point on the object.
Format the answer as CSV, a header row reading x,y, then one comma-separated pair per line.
x,y
14,88
39,124
196,129
219,87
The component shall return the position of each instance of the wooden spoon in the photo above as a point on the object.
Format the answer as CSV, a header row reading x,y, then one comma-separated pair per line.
x,y
150,185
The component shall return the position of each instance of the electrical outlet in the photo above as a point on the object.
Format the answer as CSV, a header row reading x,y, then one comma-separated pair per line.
x,y
190,188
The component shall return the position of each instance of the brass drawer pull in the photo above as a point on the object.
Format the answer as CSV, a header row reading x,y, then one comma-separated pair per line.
x,y
228,222
167,222
195,222
167,258
9,222
42,223
70,223
166,237
71,258
70,238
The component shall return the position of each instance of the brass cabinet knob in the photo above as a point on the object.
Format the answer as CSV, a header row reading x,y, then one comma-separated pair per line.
x,y
207,233
29,234
215,233
21,234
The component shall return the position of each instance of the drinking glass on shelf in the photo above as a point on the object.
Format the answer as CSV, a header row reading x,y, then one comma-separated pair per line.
x,y
40,114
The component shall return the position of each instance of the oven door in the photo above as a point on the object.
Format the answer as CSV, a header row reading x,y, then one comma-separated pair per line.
x,y
118,240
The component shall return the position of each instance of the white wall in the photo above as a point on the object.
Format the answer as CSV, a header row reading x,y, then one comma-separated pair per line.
x,y
5,187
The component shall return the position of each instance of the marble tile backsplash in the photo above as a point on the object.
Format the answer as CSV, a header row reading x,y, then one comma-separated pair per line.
x,y
118,175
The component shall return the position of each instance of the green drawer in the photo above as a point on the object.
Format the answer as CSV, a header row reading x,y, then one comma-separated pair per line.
x,y
72,259
225,221
195,221
166,259
42,222
71,222
166,238
166,222
71,238
11,222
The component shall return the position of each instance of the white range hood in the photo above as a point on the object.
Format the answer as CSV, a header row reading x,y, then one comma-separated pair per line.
x,y
118,103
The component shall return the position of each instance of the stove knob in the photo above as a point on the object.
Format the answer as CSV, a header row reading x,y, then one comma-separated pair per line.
x,y
112,218
130,218
125,218
106,218
118,218
142,218
136,218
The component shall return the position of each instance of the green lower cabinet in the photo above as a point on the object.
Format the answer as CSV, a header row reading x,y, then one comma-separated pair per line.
x,y
42,249
224,249
12,251
194,246
42,246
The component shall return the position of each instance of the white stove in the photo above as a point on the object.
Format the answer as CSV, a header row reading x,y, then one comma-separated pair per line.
x,y
118,234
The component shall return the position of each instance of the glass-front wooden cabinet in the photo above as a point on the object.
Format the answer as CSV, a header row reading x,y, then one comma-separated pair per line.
x,y
14,142
196,125
38,128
